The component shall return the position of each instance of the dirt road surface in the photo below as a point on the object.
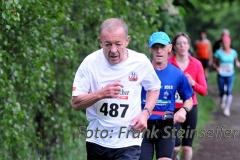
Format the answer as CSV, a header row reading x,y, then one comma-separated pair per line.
x,y
221,138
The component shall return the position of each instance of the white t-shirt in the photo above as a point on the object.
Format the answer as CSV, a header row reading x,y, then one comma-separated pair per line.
x,y
110,119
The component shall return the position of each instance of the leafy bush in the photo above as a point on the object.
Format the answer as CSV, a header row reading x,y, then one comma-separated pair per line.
x,y
43,42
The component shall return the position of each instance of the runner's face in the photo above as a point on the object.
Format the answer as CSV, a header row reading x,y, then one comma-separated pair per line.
x,y
160,52
182,46
226,41
114,43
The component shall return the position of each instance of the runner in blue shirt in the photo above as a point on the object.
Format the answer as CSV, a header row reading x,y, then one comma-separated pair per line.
x,y
160,132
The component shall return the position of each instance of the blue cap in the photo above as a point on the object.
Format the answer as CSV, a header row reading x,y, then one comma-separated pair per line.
x,y
159,37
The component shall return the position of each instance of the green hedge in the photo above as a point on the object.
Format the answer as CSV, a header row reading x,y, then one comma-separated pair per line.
x,y
43,43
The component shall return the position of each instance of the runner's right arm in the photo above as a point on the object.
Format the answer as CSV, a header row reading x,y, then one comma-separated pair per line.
x,y
83,101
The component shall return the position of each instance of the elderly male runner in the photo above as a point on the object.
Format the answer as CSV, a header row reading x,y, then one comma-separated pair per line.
x,y
108,84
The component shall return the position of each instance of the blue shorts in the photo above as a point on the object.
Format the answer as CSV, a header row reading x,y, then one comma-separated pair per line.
x,y
97,152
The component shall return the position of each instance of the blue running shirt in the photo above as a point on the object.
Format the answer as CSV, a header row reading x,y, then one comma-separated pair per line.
x,y
172,80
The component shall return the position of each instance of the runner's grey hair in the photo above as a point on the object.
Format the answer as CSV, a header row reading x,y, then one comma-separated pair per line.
x,y
112,24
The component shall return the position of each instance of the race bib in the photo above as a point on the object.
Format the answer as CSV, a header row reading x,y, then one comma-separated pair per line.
x,y
226,68
113,109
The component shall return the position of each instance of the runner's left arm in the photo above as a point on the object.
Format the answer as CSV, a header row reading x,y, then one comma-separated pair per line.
x,y
200,85
140,122
180,115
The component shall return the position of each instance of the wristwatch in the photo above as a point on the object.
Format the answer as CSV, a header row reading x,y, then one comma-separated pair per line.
x,y
148,111
186,109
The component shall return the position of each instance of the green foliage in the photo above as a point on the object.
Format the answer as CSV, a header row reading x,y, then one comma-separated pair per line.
x,y
142,17
37,59
213,16
43,42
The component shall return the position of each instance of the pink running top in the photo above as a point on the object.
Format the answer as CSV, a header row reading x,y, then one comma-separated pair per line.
x,y
195,69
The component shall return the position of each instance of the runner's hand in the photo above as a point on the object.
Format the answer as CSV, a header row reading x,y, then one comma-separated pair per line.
x,y
238,64
190,79
140,122
180,116
111,90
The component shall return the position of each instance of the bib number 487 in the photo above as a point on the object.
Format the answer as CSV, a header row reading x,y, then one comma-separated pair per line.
x,y
113,109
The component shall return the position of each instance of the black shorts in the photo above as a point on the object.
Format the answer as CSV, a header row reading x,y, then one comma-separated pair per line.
x,y
185,131
159,136
97,152
204,63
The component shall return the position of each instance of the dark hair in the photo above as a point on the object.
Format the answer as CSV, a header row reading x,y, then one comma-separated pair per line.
x,y
176,37
179,35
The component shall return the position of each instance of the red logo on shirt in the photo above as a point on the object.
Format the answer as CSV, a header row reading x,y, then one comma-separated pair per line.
x,y
132,76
